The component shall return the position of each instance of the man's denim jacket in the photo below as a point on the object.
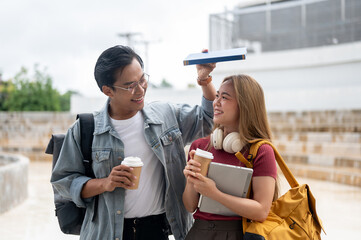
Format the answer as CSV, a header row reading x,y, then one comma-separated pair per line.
x,y
168,128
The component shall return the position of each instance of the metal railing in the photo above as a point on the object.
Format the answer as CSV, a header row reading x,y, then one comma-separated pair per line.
x,y
283,25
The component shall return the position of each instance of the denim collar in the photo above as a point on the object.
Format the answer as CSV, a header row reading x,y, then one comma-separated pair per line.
x,y
103,123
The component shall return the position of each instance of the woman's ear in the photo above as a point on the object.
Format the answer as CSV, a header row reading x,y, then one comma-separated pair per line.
x,y
108,91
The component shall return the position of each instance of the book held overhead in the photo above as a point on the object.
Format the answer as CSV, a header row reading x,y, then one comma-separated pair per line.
x,y
216,56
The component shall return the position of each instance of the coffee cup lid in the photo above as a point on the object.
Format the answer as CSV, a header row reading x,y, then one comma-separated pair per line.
x,y
204,154
132,162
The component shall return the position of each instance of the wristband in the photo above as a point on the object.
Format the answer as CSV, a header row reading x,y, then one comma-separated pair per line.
x,y
205,81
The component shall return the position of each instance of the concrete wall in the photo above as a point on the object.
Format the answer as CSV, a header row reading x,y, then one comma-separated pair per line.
x,y
28,133
13,180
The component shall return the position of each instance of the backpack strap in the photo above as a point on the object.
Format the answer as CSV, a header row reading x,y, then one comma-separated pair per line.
x,y
256,143
281,163
249,164
86,140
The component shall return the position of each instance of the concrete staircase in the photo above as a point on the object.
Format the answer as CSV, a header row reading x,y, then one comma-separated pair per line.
x,y
324,145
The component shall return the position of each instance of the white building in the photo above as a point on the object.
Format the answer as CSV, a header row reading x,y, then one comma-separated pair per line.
x,y
305,53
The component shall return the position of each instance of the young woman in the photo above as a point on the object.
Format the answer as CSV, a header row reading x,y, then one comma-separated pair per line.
x,y
239,114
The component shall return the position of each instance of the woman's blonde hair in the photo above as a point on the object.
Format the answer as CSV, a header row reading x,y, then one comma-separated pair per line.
x,y
253,120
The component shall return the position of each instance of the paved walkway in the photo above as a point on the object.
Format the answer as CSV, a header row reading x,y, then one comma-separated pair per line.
x,y
339,207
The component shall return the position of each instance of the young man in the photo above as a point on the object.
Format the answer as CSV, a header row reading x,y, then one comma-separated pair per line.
x,y
155,132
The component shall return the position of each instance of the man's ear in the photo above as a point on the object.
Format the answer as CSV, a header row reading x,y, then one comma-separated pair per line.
x,y
108,91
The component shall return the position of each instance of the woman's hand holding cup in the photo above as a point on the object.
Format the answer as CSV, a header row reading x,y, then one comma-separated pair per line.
x,y
198,163
192,166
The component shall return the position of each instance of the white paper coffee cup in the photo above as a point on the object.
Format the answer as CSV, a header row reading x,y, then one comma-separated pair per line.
x,y
137,164
204,158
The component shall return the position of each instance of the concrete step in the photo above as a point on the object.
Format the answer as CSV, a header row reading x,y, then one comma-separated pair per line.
x,y
316,117
322,127
316,121
323,160
325,137
324,148
344,175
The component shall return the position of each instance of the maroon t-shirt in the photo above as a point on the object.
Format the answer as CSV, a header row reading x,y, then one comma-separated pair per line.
x,y
263,165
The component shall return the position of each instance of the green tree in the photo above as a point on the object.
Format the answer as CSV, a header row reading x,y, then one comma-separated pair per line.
x,y
165,84
65,100
33,93
6,87
191,85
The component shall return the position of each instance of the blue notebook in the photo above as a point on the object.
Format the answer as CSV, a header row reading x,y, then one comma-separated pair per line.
x,y
216,56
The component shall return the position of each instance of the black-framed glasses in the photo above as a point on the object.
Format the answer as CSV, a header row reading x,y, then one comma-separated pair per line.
x,y
143,82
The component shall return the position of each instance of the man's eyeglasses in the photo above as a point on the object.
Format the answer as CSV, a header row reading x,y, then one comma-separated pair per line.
x,y
143,82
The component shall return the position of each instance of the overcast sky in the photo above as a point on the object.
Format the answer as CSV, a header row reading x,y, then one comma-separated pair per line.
x,y
66,37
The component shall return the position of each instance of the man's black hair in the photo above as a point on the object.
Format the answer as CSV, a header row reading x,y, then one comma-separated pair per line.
x,y
111,60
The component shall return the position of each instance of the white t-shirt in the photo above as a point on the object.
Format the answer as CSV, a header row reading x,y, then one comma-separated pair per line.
x,y
148,199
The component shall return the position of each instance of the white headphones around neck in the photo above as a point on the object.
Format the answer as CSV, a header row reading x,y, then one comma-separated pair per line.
x,y
231,143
